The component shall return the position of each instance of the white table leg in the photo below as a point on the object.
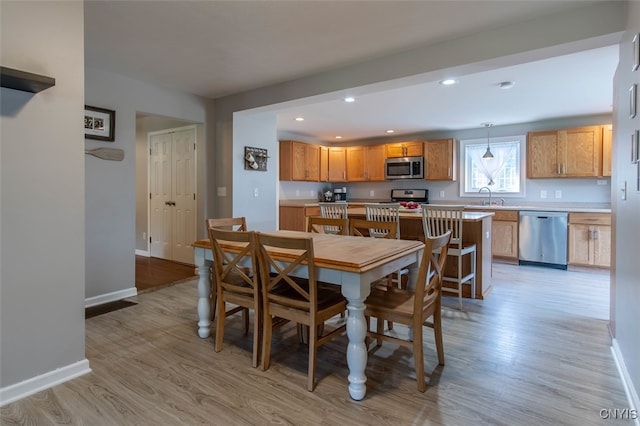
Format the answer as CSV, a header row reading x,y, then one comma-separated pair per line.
x,y
204,293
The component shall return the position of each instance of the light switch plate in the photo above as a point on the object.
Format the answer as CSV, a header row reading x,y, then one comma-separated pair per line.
x,y
558,193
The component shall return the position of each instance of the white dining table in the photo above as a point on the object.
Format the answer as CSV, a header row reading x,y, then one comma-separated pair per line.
x,y
350,262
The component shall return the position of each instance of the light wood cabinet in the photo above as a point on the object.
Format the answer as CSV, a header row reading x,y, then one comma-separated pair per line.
x,y
607,139
504,242
440,159
365,163
294,218
405,149
324,164
337,164
299,161
590,239
570,153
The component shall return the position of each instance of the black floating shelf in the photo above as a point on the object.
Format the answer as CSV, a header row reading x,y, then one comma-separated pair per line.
x,y
25,81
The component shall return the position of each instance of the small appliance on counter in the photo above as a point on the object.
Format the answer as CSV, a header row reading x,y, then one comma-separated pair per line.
x,y
420,196
340,195
327,196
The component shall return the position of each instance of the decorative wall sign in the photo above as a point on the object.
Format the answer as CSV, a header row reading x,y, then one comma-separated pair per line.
x,y
255,158
99,123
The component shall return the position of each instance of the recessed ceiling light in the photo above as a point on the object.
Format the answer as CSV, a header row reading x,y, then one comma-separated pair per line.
x,y
349,99
390,131
299,118
506,84
338,137
448,82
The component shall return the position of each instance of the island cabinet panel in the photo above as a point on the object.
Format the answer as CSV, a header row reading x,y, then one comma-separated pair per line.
x,y
299,161
294,218
569,153
440,159
504,240
590,239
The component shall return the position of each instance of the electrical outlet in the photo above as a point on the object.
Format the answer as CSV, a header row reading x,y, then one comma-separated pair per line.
x,y
222,191
371,193
601,182
255,192
543,193
297,192
558,193
441,194
312,193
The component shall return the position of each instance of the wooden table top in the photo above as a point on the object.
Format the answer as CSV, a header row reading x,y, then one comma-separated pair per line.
x,y
345,253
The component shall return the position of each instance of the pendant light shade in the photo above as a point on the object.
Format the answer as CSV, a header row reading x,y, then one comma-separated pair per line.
x,y
488,154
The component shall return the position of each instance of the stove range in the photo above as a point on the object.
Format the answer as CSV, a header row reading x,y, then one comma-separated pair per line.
x,y
416,195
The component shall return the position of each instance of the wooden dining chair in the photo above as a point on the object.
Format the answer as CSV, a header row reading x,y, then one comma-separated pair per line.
x,y
234,285
333,211
414,308
437,219
324,225
387,212
305,301
231,223
369,228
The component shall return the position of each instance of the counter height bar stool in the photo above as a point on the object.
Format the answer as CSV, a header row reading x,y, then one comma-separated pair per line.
x,y
333,211
438,219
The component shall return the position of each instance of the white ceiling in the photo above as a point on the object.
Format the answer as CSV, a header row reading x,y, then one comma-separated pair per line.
x,y
217,48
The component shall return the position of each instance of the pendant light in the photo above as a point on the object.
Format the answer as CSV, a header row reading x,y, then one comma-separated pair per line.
x,y
488,154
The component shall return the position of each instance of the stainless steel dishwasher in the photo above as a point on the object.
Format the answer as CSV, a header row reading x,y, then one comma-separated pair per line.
x,y
543,239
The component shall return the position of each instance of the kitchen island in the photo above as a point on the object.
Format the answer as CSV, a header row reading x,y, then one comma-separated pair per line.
x,y
476,229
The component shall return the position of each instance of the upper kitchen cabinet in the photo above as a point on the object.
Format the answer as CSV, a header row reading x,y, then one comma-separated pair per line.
x,y
299,161
405,149
324,164
337,159
366,163
440,159
571,153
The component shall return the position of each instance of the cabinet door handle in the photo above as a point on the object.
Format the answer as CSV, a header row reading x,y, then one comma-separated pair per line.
x,y
558,168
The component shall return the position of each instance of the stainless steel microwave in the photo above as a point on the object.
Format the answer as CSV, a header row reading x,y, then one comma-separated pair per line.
x,y
404,168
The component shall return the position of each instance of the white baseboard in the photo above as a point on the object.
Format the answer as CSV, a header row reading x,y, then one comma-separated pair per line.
x,y
44,381
629,388
110,297
144,253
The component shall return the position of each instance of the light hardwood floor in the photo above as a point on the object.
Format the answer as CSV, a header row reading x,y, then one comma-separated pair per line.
x,y
535,352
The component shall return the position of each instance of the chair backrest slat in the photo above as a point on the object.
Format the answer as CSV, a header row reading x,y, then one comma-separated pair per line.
x,y
372,228
230,223
327,225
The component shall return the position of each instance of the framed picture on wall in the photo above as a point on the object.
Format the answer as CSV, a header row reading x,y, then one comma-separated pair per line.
x,y
99,123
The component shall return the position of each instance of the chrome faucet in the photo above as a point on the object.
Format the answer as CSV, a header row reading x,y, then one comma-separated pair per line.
x,y
484,203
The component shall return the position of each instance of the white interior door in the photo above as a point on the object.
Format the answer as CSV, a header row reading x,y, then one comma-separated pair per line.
x,y
183,186
172,194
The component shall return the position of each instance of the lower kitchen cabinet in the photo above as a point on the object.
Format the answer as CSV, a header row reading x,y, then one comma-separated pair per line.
x,y
590,239
294,218
504,243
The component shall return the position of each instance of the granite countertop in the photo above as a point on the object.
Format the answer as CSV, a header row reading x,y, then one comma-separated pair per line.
x,y
530,206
